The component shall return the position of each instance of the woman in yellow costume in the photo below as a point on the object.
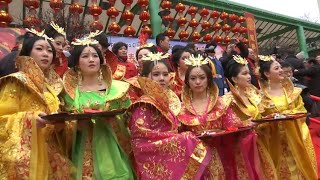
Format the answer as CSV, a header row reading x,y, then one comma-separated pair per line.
x,y
30,148
100,146
246,103
288,142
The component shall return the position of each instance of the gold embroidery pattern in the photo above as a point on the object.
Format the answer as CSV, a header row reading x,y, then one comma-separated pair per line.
x,y
157,170
195,161
119,72
87,168
215,169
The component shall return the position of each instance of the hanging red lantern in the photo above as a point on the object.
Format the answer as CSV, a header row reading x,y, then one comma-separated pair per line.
x,y
5,18
31,21
235,30
207,38
170,33
143,3
144,17
234,18
243,30
226,28
183,35
180,8
216,27
129,31
192,11
166,5
224,16
204,13
4,3
182,21
75,8
96,25
168,18
218,39
112,12
95,10
193,23
127,16
241,19
195,36
31,4
147,30
227,40
127,3
205,25
214,15
56,5
244,40
114,28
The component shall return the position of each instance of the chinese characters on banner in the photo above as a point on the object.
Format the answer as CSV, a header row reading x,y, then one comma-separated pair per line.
x,y
252,35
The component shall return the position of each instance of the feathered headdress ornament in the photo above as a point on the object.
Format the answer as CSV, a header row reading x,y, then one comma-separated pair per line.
x,y
266,58
143,37
59,29
40,34
155,57
87,40
240,60
196,61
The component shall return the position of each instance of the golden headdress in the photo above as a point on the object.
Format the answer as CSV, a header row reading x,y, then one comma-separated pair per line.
x,y
240,60
87,40
196,61
155,57
59,29
266,58
40,34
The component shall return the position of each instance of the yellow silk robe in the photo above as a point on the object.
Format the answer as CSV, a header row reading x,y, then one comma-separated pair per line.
x,y
27,152
288,142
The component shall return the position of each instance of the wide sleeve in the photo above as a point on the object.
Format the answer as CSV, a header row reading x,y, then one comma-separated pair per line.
x,y
162,153
230,119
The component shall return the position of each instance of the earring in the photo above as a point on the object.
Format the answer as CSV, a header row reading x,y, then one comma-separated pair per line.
x,y
100,77
79,78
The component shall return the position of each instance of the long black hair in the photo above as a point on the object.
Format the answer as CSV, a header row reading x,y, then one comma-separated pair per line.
x,y
264,67
75,55
28,43
232,69
147,67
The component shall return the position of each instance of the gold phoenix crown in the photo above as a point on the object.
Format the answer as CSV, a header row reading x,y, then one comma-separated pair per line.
x,y
240,59
266,58
59,29
40,34
155,56
196,61
87,40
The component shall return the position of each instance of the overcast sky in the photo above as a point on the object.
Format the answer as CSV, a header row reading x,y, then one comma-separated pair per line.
x,y
294,8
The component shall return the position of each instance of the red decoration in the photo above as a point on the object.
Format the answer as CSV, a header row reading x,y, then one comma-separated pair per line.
x,y
96,25
31,21
205,25
224,16
147,30
168,18
127,3
56,5
111,2
114,28
95,10
183,35
171,33
5,18
192,11
207,38
75,8
242,19
129,31
4,3
235,30
234,18
216,27
144,16
193,23
204,13
195,36
34,4
143,3
180,8
243,30
182,21
214,14
166,5
227,40
112,12
127,16
218,39
226,28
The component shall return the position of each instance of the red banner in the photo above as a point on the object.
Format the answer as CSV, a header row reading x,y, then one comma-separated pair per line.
x,y
252,35
8,39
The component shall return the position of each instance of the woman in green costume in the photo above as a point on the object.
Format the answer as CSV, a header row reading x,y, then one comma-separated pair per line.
x,y
96,150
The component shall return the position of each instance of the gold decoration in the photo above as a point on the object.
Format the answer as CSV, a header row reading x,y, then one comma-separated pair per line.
x,y
145,45
87,40
266,58
40,34
196,61
155,57
240,60
59,29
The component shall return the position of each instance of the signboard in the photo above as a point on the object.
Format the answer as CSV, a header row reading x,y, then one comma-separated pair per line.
x,y
252,35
